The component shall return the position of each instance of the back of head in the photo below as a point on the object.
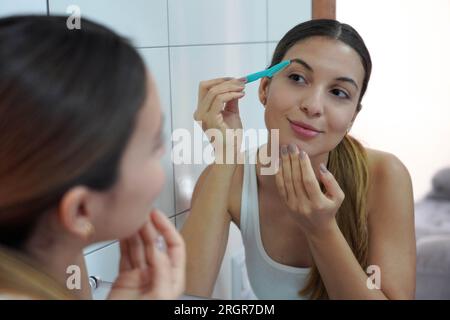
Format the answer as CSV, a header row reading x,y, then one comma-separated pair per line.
x,y
68,104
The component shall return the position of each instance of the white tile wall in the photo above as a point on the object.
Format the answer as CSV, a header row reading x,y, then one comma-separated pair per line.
x,y
143,21
96,246
270,49
104,263
285,14
206,21
11,7
180,219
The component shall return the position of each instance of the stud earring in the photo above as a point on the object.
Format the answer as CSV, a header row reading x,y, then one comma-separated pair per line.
x,y
89,230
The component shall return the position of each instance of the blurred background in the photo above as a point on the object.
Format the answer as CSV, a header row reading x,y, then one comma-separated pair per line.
x,y
406,110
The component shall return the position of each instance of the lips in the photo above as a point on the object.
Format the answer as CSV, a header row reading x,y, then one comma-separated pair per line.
x,y
303,129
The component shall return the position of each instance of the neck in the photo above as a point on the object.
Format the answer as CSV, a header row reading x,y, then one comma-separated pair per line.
x,y
54,256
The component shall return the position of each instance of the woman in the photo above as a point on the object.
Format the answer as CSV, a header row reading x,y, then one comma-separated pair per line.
x,y
336,212
80,127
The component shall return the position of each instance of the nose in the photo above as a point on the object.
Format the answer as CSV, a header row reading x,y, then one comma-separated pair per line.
x,y
312,103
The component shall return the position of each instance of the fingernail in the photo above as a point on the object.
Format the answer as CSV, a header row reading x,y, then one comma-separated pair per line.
x,y
292,148
284,150
302,154
323,169
243,79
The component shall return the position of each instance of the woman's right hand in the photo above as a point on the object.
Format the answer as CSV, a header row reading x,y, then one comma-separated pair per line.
x,y
218,107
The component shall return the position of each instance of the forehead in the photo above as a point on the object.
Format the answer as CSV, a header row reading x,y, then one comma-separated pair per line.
x,y
328,55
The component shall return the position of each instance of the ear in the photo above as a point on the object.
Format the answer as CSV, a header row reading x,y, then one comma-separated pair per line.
x,y
74,215
263,90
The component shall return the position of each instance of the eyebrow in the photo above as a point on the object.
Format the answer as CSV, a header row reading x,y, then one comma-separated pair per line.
x,y
349,80
307,66
303,63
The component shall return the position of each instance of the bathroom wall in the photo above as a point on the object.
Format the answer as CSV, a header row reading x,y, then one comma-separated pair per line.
x,y
184,42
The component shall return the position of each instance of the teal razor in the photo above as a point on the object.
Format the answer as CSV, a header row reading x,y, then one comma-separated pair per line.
x,y
268,72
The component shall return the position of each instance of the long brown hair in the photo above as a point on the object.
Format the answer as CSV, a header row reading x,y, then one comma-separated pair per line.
x,y
348,163
68,103
20,278
348,160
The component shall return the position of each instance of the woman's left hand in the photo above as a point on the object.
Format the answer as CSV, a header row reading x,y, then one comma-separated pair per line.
x,y
146,271
297,184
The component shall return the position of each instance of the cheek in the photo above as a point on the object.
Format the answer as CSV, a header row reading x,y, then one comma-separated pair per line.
x,y
155,180
279,102
146,185
135,199
339,120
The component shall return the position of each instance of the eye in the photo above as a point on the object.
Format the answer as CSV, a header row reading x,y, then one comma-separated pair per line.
x,y
340,94
297,78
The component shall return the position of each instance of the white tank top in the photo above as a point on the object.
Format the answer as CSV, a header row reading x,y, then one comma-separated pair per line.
x,y
268,278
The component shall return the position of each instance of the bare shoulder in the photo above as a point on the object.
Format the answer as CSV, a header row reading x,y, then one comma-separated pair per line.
x,y
390,181
385,166
390,206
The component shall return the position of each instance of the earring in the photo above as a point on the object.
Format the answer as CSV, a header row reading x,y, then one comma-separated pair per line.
x,y
89,230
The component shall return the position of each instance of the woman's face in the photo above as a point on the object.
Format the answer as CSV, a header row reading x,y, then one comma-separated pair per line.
x,y
126,207
321,91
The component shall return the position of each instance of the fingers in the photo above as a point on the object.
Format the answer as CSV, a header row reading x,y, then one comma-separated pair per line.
x,y
333,190
125,263
310,183
210,90
233,105
168,267
297,173
287,176
280,183
136,252
216,95
204,86
219,100
175,247
157,261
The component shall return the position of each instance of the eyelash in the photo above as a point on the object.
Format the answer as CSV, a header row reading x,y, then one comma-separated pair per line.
x,y
300,76
297,76
346,95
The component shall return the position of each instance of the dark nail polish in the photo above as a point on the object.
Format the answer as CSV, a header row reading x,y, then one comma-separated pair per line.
x,y
284,150
292,148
